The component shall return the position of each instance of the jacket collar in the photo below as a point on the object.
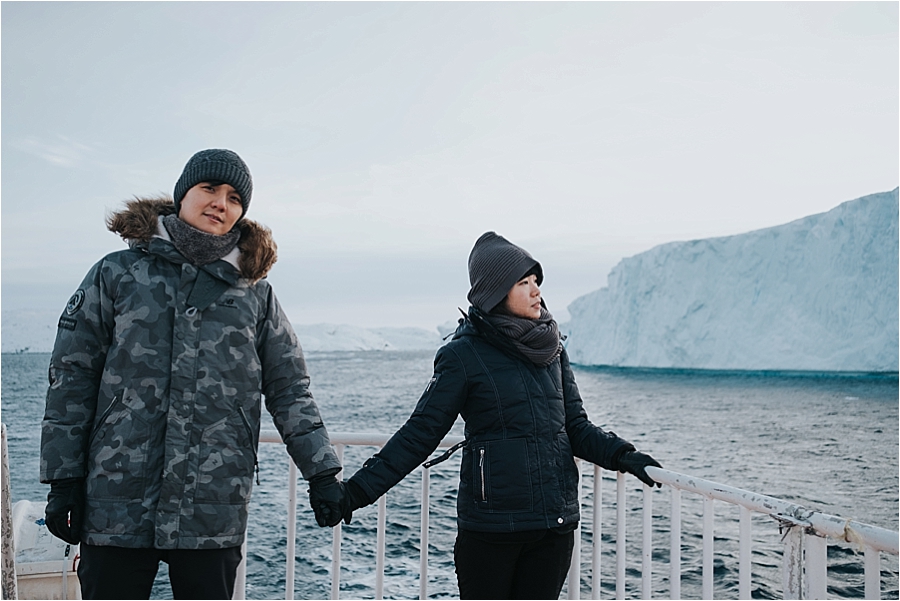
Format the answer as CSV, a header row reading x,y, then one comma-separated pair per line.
x,y
138,224
475,324
231,258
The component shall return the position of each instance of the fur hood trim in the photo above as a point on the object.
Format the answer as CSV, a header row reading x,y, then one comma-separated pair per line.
x,y
139,221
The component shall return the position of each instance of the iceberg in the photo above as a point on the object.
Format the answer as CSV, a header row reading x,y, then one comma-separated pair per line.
x,y
325,337
816,294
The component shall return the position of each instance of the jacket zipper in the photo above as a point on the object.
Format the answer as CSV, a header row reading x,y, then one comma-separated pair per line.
x,y
481,468
252,444
102,419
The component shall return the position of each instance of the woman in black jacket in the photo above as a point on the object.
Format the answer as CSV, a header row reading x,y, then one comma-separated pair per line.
x,y
507,373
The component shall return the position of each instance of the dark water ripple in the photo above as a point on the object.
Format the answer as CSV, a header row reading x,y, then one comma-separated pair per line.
x,y
828,443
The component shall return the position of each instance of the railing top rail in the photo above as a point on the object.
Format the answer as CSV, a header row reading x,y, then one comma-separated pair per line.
x,y
835,527
375,439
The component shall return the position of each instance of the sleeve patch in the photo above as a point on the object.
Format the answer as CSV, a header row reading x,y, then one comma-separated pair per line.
x,y
74,303
67,323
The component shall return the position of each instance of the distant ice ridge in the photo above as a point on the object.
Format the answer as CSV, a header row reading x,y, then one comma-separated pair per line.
x,y
818,294
331,337
35,332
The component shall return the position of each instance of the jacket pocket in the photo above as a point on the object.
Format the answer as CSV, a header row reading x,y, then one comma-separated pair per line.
x,y
118,455
568,469
502,476
225,463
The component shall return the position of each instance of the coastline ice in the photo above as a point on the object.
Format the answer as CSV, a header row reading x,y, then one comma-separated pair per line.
x,y
35,332
331,337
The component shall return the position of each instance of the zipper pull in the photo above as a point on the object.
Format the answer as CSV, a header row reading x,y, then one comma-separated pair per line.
x,y
481,469
256,465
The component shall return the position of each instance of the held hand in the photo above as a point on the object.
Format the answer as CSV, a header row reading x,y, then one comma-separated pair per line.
x,y
64,514
329,501
635,462
356,498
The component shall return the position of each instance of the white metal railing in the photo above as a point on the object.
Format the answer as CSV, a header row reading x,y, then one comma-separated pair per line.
x,y
340,440
804,571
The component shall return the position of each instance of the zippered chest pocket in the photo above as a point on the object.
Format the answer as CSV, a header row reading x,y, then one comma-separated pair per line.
x,y
501,476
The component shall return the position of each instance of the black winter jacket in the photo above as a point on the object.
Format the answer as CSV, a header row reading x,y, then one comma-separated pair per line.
x,y
524,424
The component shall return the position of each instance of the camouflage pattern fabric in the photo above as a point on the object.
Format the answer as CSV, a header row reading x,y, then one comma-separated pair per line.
x,y
158,405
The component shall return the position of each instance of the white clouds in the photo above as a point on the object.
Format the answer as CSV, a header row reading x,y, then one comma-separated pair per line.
x,y
405,130
60,151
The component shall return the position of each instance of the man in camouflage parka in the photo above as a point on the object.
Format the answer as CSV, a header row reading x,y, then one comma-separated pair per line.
x,y
156,381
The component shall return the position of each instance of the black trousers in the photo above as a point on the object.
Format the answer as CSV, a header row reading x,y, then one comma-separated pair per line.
x,y
119,573
534,568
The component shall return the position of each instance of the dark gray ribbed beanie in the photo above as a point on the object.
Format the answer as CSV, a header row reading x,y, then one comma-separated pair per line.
x,y
495,265
215,164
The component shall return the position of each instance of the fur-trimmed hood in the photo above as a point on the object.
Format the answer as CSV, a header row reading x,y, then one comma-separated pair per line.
x,y
139,222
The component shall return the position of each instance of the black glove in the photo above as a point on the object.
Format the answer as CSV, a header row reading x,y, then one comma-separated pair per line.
x,y
634,462
356,498
329,500
64,514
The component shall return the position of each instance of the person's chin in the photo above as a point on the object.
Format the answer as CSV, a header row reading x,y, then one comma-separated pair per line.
x,y
212,228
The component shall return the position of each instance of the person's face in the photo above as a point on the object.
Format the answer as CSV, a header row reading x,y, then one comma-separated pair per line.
x,y
524,298
213,209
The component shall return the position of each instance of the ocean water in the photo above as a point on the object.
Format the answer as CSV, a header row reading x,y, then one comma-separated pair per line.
x,y
829,443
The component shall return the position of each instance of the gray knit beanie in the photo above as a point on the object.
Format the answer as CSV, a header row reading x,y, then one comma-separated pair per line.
x,y
215,165
495,265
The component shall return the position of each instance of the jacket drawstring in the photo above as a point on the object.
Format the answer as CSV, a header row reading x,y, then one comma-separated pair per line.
x,y
446,455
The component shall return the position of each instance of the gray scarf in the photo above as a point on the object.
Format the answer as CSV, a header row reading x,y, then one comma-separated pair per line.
x,y
199,247
537,339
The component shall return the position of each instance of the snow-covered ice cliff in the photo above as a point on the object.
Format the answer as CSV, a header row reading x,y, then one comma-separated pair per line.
x,y
819,294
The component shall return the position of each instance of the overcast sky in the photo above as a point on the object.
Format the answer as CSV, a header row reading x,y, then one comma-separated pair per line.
x,y
384,138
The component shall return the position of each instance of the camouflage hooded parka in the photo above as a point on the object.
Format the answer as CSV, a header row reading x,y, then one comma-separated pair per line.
x,y
156,385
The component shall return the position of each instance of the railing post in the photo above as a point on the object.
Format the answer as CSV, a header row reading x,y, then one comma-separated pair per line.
x,y
709,510
745,542
620,535
647,546
10,584
792,568
815,575
291,531
240,577
675,547
423,546
379,552
872,568
597,527
337,537
574,588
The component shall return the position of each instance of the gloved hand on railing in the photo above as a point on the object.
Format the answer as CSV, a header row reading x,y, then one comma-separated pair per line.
x,y
64,514
328,499
635,462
